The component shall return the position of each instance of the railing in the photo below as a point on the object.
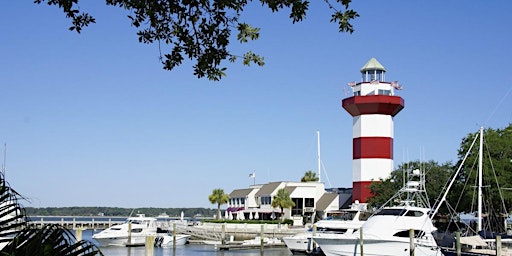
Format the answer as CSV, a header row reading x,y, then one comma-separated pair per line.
x,y
76,222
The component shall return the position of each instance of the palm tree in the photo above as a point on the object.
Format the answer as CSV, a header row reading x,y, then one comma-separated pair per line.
x,y
309,176
218,197
282,200
18,237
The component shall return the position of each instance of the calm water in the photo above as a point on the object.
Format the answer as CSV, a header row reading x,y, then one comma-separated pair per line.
x,y
184,250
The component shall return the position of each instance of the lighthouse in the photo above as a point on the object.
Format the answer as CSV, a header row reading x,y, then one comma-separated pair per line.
x,y
372,106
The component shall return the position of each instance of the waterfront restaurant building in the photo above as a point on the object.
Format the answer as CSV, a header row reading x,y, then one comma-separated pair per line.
x,y
312,201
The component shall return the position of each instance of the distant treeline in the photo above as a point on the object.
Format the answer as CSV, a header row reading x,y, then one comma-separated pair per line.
x,y
115,211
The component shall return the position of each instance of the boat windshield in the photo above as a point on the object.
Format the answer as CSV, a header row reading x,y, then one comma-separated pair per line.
x,y
341,216
400,212
136,221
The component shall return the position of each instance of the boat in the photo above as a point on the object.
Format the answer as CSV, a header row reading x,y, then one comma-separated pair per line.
x,y
476,241
135,231
266,241
167,240
394,230
347,220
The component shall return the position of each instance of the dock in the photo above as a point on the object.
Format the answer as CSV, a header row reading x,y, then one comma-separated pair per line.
x,y
76,222
82,222
238,246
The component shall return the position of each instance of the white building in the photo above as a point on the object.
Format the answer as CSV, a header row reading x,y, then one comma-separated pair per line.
x,y
310,198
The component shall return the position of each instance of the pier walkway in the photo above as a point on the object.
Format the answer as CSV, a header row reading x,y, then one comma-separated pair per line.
x,y
94,223
75,222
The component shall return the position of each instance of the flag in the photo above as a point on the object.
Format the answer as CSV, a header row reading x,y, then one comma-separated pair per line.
x,y
252,175
351,84
396,85
345,91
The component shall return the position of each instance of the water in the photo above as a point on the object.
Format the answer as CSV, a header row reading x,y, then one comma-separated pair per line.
x,y
184,250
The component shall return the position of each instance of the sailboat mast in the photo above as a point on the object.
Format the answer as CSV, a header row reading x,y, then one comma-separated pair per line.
x,y
3,164
319,161
480,157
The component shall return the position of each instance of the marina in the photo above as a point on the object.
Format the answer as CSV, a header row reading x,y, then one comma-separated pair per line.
x,y
194,248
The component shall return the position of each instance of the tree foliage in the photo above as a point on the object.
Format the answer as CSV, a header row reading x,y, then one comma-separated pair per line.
x,y
496,174
218,197
282,200
200,30
117,211
309,176
462,196
436,176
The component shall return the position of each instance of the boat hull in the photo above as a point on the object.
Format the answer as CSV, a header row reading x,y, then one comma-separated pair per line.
x,y
380,247
300,244
160,240
120,240
168,240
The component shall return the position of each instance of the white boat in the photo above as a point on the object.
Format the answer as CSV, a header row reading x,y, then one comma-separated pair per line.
x,y
266,241
135,231
387,232
167,240
348,221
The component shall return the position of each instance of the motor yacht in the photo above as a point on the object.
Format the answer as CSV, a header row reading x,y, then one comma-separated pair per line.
x,y
134,232
346,220
394,230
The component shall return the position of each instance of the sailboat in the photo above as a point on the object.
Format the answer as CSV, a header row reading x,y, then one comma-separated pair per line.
x,y
481,242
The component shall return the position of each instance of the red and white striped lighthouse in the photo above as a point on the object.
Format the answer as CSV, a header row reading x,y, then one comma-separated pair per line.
x,y
372,106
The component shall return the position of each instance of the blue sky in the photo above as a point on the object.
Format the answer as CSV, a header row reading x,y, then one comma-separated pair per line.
x,y
92,119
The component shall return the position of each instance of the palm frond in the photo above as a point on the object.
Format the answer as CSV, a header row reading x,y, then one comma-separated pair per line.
x,y
19,238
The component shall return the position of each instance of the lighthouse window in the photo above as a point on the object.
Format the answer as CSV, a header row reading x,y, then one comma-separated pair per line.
x,y
384,92
380,75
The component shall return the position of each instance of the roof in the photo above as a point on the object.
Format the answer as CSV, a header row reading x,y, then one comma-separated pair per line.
x,y
372,64
267,189
325,201
240,192
290,189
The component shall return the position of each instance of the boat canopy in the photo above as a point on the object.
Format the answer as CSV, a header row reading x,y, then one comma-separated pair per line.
x,y
473,240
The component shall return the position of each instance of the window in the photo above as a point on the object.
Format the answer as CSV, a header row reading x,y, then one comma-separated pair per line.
x,y
309,202
405,233
299,205
394,212
266,200
379,75
414,214
384,92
